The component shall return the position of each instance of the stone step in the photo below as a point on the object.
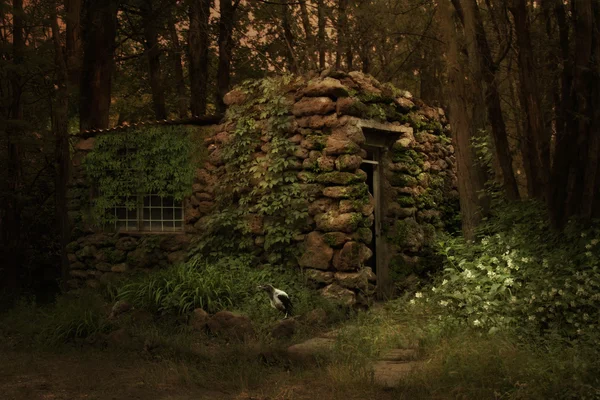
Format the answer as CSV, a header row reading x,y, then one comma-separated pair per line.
x,y
400,355
310,350
390,373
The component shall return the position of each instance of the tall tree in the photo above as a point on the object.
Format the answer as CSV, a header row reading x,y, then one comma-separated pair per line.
x,y
288,37
178,69
73,43
343,42
198,44
11,206
475,33
100,28
321,32
310,38
536,157
225,43
471,175
150,20
60,122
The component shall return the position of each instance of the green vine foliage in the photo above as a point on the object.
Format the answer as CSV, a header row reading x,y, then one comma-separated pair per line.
x,y
156,159
258,185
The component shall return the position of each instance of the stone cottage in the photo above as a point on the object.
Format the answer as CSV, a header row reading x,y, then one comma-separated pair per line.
x,y
367,171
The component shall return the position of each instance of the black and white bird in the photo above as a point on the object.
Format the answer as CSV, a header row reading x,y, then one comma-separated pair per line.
x,y
279,299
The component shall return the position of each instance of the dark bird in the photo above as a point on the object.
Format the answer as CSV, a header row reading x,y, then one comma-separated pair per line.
x,y
279,299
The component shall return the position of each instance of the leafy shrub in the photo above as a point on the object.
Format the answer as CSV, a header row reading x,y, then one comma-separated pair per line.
x,y
227,283
74,315
522,274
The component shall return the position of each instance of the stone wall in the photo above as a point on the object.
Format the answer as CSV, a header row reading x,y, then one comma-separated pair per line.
x,y
331,114
333,117
97,257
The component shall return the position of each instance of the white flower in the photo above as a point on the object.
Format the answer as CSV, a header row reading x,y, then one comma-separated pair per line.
x,y
532,317
444,281
443,303
418,295
434,289
588,253
477,322
412,301
491,274
468,274
509,281
588,246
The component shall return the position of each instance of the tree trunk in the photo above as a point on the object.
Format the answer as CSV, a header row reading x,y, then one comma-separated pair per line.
x,y
591,189
225,44
563,147
580,118
289,39
11,205
100,27
198,44
476,33
60,122
73,44
471,177
149,21
310,38
321,33
342,34
537,139
178,69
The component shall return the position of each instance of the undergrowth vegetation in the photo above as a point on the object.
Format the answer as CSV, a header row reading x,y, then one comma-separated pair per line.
x,y
521,275
512,316
229,283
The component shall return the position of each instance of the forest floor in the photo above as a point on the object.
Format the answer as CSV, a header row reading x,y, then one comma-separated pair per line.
x,y
88,373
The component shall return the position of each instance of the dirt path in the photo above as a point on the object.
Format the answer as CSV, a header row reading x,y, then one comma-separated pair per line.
x,y
93,374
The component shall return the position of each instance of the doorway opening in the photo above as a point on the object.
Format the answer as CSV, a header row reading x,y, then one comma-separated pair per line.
x,y
372,166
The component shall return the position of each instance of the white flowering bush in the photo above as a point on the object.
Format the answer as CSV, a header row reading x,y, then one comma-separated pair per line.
x,y
522,274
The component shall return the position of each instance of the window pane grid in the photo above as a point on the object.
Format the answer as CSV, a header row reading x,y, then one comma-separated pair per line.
x,y
150,213
160,214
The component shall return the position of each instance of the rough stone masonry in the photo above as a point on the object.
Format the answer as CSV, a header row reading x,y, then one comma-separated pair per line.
x,y
331,113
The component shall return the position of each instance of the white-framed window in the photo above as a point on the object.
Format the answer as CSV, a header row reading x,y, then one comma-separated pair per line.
x,y
149,213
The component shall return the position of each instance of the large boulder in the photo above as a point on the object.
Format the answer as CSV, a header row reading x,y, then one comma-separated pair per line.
x,y
356,280
313,105
333,221
339,294
317,253
284,329
340,146
230,325
348,162
326,87
319,276
352,256
199,319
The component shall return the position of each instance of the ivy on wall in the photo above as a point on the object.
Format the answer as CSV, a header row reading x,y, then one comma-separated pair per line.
x,y
258,186
156,159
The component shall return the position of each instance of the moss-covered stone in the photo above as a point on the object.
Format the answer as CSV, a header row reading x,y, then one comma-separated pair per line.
x,y
352,106
403,180
406,201
340,178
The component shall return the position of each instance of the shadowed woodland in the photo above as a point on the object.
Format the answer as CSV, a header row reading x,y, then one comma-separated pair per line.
x,y
505,306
